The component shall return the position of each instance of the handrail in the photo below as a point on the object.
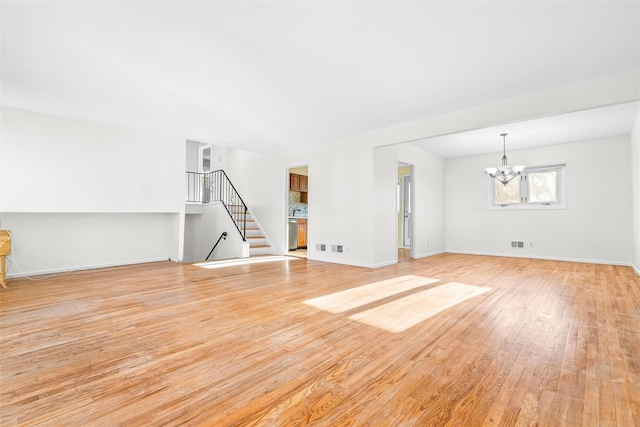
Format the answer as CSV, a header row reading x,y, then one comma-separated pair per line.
x,y
216,186
243,205
222,236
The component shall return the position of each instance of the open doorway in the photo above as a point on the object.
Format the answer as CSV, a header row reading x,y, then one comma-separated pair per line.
x,y
404,197
297,229
204,158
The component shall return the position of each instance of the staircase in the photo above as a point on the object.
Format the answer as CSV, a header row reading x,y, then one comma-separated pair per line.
x,y
215,186
258,242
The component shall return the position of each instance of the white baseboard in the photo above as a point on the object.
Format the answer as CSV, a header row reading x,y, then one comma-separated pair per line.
x,y
580,260
428,254
383,264
636,269
387,263
23,274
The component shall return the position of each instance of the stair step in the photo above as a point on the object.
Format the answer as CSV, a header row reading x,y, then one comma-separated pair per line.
x,y
255,237
262,250
260,246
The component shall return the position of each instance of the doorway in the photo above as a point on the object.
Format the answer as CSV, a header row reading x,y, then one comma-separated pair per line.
x,y
204,158
297,229
405,197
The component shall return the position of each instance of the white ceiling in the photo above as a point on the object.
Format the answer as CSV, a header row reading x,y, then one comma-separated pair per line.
x,y
267,76
587,125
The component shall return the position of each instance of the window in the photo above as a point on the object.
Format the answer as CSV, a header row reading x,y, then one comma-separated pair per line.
x,y
538,187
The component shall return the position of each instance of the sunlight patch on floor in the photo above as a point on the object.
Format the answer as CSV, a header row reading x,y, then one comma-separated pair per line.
x,y
241,261
403,313
362,295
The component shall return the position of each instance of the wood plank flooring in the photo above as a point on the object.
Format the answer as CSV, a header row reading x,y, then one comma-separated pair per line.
x,y
164,344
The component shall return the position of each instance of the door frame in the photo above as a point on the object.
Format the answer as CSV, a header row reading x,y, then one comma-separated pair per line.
x,y
407,211
287,171
400,224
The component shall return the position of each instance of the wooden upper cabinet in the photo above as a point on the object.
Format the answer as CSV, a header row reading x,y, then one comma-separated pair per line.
x,y
294,182
298,182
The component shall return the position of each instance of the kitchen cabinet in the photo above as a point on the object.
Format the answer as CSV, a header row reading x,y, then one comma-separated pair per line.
x,y
302,233
298,182
294,182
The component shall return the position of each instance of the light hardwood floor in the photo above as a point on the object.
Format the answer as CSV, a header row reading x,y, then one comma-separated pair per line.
x,y
552,343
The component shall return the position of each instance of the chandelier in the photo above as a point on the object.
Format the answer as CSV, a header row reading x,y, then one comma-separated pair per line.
x,y
504,173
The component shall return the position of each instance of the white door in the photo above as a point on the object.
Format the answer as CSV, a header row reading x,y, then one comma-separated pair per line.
x,y
406,210
204,159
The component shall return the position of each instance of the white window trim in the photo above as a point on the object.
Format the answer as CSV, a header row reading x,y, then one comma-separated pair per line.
x,y
562,192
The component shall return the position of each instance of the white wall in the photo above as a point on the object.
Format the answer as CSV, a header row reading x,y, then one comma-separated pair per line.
x,y
78,195
429,202
55,164
91,168
342,194
54,242
260,180
218,156
341,200
192,156
594,227
635,192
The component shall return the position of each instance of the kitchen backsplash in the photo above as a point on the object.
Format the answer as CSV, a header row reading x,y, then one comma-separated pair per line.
x,y
294,203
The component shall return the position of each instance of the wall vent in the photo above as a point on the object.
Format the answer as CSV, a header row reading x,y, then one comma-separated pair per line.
x,y
517,244
321,247
337,248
